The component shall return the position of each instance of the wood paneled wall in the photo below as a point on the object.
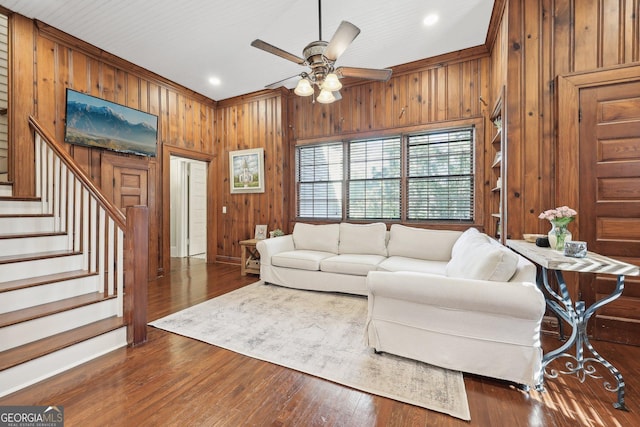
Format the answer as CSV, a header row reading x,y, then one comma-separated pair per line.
x,y
546,39
255,121
548,43
535,41
439,89
46,61
435,91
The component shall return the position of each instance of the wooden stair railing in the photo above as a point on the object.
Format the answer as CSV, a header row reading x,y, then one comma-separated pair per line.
x,y
115,246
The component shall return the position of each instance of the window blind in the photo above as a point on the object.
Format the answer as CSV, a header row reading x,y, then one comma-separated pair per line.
x,y
421,177
4,66
375,171
440,176
319,176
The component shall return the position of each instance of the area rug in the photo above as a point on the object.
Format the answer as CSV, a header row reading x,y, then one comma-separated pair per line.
x,y
317,333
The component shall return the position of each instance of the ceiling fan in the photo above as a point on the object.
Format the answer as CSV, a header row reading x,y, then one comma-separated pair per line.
x,y
321,57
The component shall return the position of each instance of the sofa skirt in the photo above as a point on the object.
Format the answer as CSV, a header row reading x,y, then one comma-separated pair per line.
x,y
510,361
314,280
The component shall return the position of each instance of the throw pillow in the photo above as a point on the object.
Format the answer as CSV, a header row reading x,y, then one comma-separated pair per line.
x,y
363,239
483,261
420,243
324,237
469,235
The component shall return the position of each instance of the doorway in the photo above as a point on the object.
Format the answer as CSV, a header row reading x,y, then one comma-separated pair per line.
x,y
188,207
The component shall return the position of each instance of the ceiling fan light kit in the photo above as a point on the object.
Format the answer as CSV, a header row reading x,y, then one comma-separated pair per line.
x,y
325,97
321,57
303,88
331,83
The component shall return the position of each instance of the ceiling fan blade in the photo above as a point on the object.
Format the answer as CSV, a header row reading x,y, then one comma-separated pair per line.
x,y
382,74
277,51
281,82
344,35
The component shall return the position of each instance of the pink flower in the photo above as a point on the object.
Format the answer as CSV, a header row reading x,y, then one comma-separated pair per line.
x,y
561,215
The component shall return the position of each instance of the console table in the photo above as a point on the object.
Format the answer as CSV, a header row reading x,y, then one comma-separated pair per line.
x,y
250,257
575,313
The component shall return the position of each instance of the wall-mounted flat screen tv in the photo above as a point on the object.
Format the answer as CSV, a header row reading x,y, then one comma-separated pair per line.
x,y
94,122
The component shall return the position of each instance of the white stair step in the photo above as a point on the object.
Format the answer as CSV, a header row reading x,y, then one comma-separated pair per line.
x,y
33,371
13,207
26,224
64,286
24,332
6,190
27,244
16,267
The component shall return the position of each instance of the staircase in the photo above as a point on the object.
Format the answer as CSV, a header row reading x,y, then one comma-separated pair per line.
x,y
63,272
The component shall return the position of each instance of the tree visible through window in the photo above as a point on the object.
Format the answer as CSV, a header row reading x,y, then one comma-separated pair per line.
x,y
319,175
432,171
440,176
374,179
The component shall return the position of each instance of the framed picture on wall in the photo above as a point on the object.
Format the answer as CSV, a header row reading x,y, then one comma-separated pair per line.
x,y
246,170
95,122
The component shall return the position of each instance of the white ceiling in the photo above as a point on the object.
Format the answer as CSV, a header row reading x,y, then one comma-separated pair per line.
x,y
190,41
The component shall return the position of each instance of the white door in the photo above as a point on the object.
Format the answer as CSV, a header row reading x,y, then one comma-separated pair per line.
x,y
197,215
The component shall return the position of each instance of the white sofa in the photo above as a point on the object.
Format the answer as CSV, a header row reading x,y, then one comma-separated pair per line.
x,y
457,300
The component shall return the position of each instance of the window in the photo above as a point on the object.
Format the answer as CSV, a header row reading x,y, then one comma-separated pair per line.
x,y
319,175
4,99
440,176
374,179
416,177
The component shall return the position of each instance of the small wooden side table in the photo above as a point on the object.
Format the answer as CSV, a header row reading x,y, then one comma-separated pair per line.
x,y
250,257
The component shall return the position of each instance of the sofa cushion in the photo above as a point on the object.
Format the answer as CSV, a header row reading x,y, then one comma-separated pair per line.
x,y
412,242
300,259
354,264
483,261
311,237
363,239
398,263
469,235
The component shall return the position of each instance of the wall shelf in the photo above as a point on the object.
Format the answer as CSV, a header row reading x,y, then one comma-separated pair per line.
x,y
498,169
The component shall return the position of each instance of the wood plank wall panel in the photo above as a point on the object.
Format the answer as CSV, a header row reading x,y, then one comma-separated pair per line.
x,y
45,62
431,93
535,42
22,40
241,124
546,39
436,90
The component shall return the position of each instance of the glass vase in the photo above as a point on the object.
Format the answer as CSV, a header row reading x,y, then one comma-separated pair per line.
x,y
557,236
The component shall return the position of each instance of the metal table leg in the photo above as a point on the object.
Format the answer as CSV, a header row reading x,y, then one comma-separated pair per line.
x,y
578,316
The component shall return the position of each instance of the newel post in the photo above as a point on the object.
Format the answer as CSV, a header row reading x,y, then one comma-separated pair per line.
x,y
136,273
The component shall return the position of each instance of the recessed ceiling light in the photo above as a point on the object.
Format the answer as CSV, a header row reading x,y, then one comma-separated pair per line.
x,y
215,81
430,19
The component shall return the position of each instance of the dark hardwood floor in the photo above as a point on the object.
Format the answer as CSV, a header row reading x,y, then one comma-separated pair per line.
x,y
177,381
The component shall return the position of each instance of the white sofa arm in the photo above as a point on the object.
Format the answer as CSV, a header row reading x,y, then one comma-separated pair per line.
x,y
517,299
275,245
